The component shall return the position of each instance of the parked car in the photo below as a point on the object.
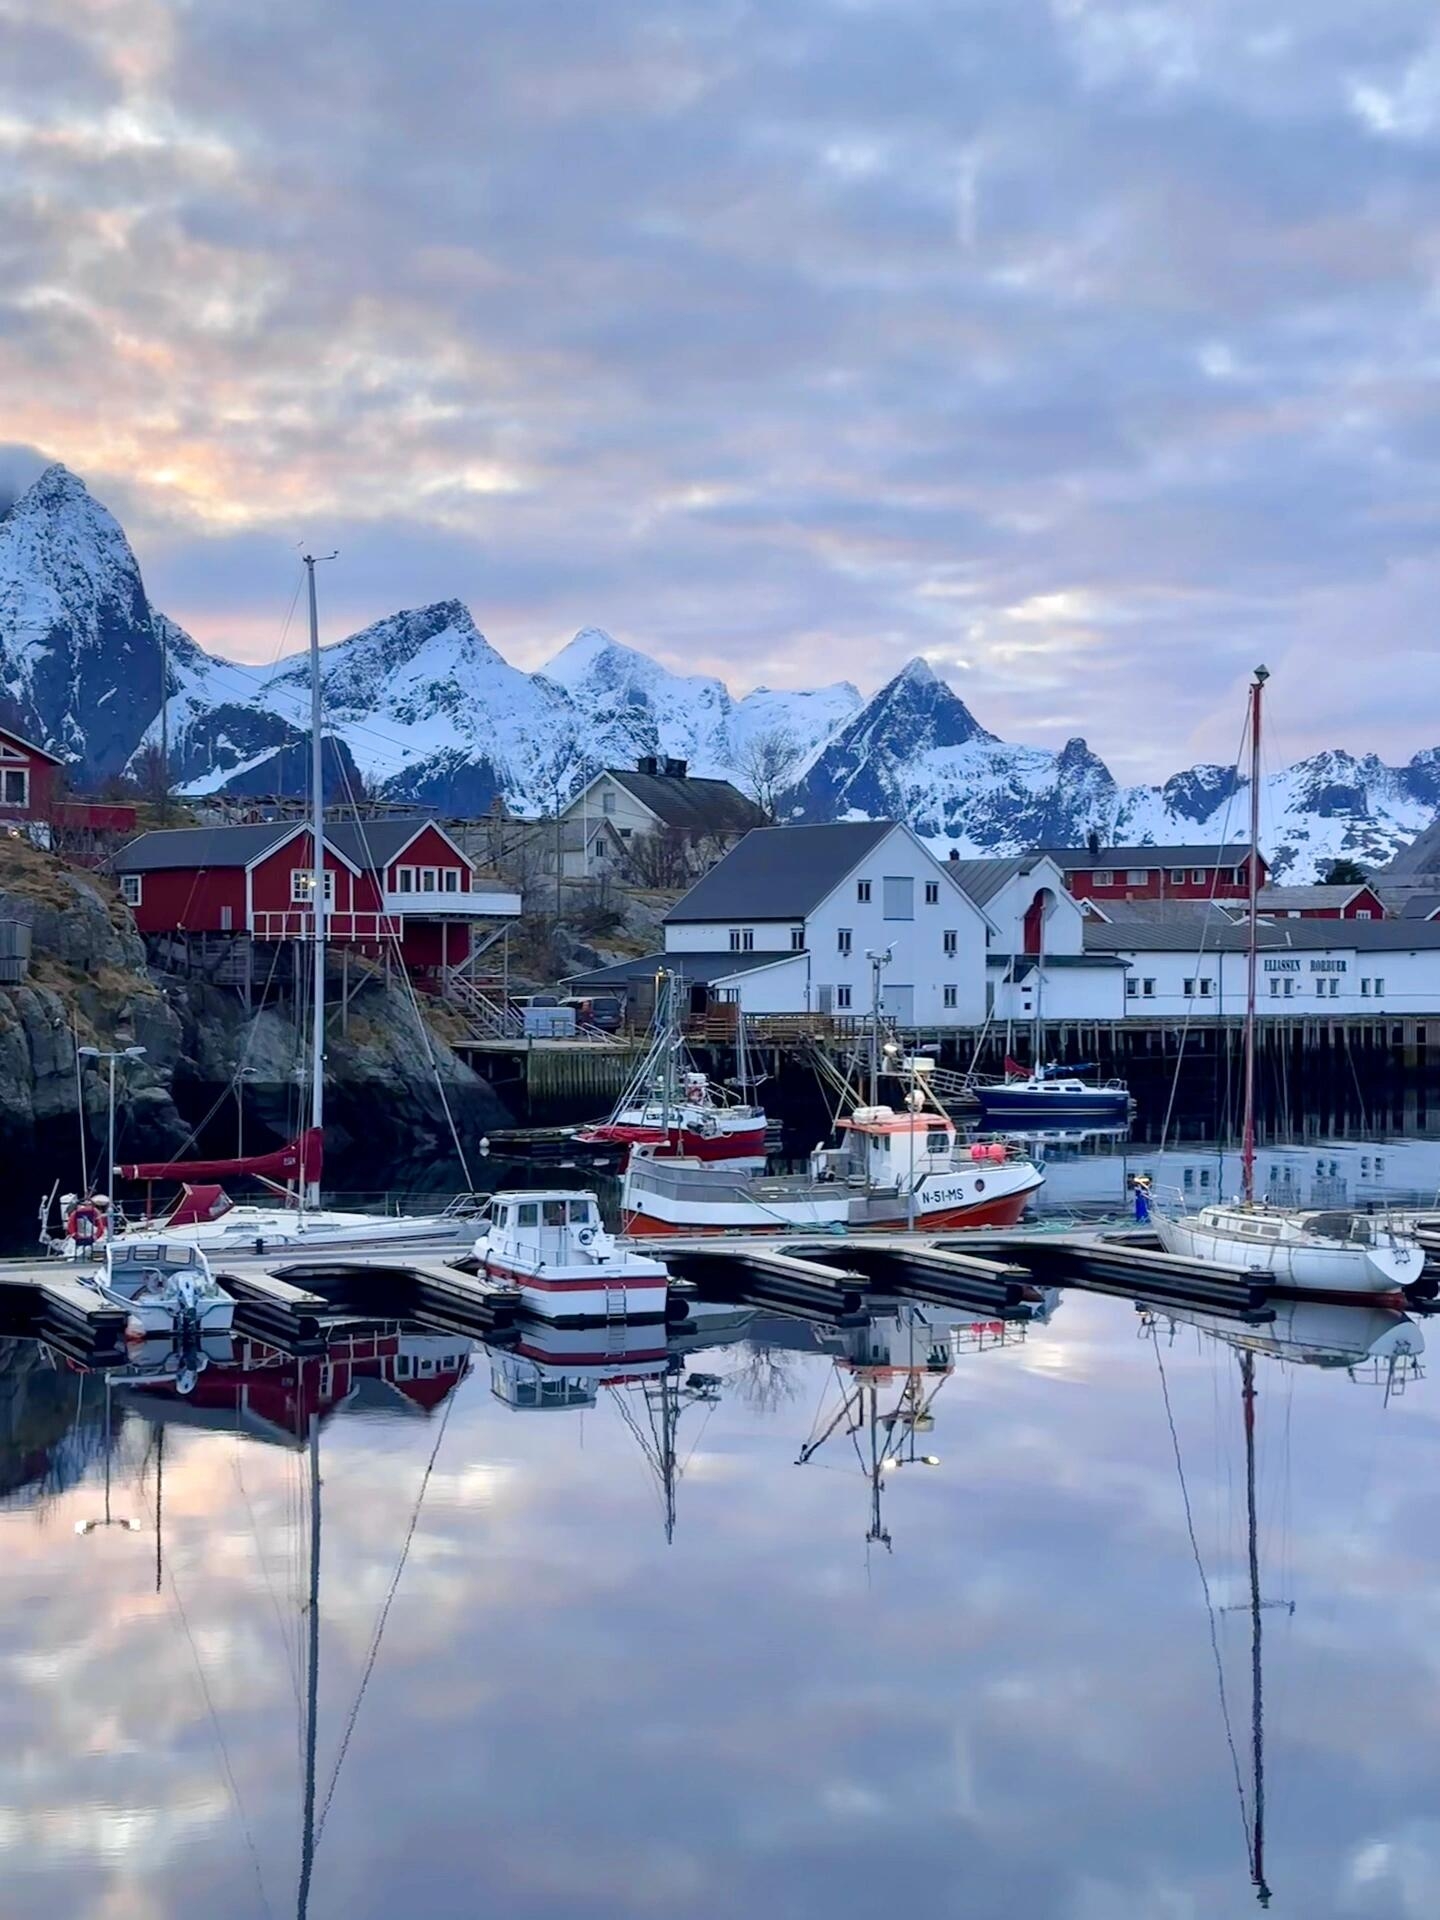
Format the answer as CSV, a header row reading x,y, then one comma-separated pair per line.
x,y
603,1011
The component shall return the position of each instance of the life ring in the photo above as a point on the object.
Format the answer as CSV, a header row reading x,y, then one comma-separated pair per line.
x,y
694,1095
89,1216
585,1237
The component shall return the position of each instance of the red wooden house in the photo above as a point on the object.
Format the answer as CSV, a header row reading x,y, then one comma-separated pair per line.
x,y
397,886
30,800
1357,902
1157,873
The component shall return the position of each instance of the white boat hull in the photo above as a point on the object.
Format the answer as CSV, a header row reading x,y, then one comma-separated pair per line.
x,y
1307,1263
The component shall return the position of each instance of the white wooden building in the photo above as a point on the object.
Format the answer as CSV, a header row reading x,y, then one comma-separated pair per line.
x,y
1191,963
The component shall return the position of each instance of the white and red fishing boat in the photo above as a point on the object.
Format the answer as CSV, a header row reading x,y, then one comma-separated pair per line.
x,y
704,1123
671,1106
551,1247
894,1171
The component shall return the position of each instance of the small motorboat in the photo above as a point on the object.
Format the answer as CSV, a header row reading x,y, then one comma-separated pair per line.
x,y
552,1248
1051,1099
163,1287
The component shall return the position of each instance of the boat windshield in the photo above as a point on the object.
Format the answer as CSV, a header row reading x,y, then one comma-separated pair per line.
x,y
160,1253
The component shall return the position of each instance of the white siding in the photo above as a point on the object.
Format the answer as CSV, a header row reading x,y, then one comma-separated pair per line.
x,y
919,958
1411,982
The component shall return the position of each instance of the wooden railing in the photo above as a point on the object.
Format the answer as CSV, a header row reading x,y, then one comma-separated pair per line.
x,y
298,923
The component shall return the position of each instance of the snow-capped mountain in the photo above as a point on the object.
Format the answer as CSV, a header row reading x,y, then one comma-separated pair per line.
x,y
424,709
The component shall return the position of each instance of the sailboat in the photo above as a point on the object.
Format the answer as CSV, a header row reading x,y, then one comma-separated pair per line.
x,y
1328,1252
204,1215
672,1108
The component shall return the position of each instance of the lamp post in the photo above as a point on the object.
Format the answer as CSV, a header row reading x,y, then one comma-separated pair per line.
x,y
99,1053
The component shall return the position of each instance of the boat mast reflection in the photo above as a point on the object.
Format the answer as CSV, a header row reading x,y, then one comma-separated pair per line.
x,y
1371,1344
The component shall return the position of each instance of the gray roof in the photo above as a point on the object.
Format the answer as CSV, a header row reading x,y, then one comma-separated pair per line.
x,y
364,843
780,873
1279,899
695,806
1081,859
1149,934
983,879
699,967
1020,964
1420,906
202,847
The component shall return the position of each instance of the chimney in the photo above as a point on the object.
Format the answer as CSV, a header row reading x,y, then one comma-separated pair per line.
x,y
647,763
954,855
676,769
1092,841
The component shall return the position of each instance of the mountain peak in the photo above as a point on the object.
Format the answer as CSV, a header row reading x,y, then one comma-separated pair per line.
x,y
578,658
919,673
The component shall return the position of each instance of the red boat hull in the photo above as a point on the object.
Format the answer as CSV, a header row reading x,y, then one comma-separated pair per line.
x,y
1006,1211
748,1144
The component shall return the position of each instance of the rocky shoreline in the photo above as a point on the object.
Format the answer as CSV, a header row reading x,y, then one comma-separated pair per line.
x,y
89,984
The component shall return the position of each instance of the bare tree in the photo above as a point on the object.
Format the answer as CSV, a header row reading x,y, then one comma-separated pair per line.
x,y
662,859
766,765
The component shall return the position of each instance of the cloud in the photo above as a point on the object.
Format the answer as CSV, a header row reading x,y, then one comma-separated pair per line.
x,y
734,328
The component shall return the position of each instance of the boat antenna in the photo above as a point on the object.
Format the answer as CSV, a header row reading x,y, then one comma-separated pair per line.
x,y
310,1190
1252,948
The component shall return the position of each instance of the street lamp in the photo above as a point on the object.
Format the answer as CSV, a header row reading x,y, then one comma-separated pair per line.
x,y
98,1053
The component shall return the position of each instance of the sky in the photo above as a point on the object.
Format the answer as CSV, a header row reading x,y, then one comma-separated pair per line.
x,y
1085,347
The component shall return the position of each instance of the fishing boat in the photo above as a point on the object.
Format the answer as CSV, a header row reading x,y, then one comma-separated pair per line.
x,y
552,1248
893,1171
1333,1253
674,1108
162,1287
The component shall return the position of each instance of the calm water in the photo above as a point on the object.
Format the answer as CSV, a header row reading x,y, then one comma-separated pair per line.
x,y
989,1688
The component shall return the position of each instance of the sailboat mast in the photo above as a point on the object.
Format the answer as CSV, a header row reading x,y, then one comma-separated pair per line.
x,y
311,1192
1257,1699
1252,950
1037,1031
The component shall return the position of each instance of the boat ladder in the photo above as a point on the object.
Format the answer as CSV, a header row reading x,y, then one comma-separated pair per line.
x,y
614,1306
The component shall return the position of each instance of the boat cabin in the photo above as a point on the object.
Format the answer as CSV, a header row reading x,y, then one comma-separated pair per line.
x,y
883,1147
141,1269
547,1228
525,1387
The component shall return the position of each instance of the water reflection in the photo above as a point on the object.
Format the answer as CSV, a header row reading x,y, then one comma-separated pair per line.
x,y
628,1657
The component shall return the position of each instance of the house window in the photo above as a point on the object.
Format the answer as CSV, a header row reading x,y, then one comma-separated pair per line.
x,y
451,877
1132,988
15,791
742,939
932,893
952,943
949,996
1198,875
1207,987
797,939
405,879
1177,876
899,896
607,800
1104,877
1137,877
1274,989
862,892
1189,989
1379,984
1363,913
132,887
1319,989
1334,989
1147,989
428,883
302,886
1365,989
843,938
1289,988
842,997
